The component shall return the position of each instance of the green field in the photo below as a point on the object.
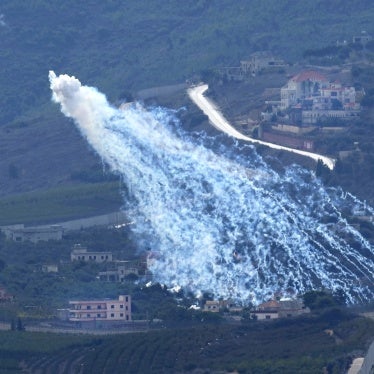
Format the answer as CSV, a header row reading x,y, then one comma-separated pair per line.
x,y
60,204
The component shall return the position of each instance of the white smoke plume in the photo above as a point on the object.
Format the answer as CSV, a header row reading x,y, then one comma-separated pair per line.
x,y
221,222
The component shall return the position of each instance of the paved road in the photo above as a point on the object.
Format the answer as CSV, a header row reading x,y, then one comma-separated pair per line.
x,y
209,108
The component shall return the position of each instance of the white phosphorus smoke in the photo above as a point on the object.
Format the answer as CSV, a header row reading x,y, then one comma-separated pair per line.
x,y
221,222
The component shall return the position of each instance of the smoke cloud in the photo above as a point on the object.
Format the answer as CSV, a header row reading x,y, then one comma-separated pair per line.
x,y
220,222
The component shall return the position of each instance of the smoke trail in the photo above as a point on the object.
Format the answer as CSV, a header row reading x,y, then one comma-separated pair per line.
x,y
221,223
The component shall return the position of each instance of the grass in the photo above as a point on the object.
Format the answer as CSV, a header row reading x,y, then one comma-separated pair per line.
x,y
60,204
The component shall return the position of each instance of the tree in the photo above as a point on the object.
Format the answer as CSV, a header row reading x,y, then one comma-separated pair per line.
x,y
20,326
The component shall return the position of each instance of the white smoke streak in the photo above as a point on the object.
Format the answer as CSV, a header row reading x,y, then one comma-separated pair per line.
x,y
228,225
2,20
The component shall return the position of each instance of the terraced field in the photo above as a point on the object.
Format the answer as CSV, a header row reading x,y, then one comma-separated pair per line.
x,y
247,348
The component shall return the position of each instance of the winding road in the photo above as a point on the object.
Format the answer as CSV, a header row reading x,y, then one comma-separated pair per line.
x,y
196,94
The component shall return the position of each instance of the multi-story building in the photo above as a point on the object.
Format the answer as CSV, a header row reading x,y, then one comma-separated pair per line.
x,y
80,253
302,86
101,310
317,99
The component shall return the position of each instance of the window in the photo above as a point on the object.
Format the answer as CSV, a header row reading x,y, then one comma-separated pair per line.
x,y
127,299
121,306
112,315
127,318
102,257
267,316
88,306
88,315
94,257
127,308
121,314
99,307
98,315
112,307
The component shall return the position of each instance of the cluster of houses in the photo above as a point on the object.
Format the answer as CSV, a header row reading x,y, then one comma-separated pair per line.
x,y
308,101
310,98
117,270
273,309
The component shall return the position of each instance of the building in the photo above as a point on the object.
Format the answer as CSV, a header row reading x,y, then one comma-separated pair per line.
x,y
101,310
80,253
20,233
212,306
363,38
283,308
259,61
302,86
310,98
122,269
51,268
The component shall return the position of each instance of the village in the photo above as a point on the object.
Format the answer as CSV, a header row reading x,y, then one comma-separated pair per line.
x,y
313,100
109,314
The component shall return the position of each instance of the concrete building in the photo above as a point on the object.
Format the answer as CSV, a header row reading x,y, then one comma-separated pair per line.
x,y
80,253
310,98
259,61
212,306
122,269
50,268
101,310
20,233
284,308
303,85
363,38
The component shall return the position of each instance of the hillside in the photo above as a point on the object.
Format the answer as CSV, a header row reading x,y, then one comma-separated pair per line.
x,y
123,47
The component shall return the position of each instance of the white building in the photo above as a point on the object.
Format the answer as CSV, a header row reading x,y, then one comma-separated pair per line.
x,y
101,310
318,99
301,86
20,233
80,253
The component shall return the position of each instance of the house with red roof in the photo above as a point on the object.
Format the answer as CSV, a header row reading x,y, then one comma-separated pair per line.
x,y
318,98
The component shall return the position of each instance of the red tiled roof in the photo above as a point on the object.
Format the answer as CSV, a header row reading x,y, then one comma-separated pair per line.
x,y
309,75
272,304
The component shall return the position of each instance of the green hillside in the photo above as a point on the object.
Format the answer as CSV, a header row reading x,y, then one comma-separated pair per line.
x,y
127,45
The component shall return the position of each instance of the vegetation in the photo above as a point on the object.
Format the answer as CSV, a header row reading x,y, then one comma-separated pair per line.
x,y
119,46
60,204
306,345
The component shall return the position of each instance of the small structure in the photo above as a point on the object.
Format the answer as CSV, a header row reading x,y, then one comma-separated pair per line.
x,y
101,310
363,38
259,61
52,268
80,253
212,306
122,269
20,233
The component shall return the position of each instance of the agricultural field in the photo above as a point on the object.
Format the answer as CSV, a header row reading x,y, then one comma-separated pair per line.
x,y
291,346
